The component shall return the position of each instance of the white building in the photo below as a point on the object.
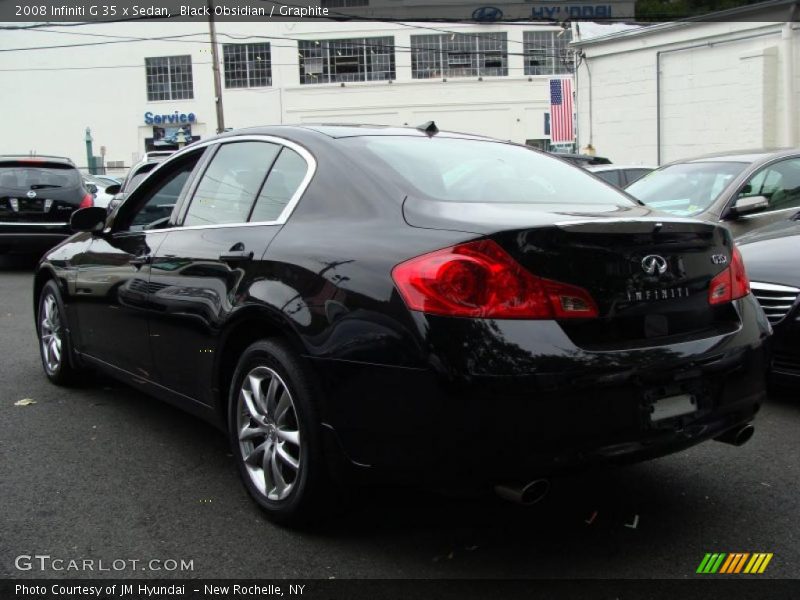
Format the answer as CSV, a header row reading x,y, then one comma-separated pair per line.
x,y
136,84
675,90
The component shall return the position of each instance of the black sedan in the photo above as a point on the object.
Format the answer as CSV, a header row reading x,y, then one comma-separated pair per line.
x,y
771,257
352,303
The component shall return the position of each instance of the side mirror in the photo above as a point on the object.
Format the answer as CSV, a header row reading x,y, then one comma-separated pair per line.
x,y
749,204
92,218
91,188
113,189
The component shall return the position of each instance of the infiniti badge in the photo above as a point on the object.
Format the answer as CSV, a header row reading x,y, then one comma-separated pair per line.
x,y
654,264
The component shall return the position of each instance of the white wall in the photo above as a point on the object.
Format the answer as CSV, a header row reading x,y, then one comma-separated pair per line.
x,y
49,97
720,87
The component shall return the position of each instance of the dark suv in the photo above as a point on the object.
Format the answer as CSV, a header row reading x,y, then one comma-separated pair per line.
x,y
38,194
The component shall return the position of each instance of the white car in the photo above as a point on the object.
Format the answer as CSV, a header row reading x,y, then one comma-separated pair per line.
x,y
97,187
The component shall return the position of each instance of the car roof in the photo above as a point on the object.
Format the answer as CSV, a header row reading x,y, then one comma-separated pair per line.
x,y
596,168
743,156
346,130
37,159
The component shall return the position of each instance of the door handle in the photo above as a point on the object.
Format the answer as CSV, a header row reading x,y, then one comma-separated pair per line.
x,y
237,253
236,256
140,261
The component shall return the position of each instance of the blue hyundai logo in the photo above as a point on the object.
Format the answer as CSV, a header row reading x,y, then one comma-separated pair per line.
x,y
487,13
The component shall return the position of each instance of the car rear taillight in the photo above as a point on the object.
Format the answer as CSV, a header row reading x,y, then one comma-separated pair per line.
x,y
731,284
480,280
87,202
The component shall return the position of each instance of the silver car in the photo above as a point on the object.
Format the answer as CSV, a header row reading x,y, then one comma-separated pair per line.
x,y
742,191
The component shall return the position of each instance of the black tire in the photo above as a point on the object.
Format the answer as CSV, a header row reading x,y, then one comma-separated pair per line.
x,y
313,493
65,372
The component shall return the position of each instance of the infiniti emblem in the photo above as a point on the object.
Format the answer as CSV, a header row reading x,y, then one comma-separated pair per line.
x,y
654,264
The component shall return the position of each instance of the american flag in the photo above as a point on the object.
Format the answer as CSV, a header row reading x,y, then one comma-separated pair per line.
x,y
561,111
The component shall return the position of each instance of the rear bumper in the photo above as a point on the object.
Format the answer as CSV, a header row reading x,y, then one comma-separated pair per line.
x,y
524,402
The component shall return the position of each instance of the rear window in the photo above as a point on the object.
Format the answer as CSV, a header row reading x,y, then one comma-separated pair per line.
x,y
461,170
23,176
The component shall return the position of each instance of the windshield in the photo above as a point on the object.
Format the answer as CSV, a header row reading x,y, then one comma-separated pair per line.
x,y
463,170
38,178
685,189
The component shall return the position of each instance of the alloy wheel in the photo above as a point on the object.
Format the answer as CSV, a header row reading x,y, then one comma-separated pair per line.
x,y
51,334
269,433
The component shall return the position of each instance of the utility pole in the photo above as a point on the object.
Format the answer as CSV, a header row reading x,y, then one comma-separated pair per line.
x,y
89,151
215,58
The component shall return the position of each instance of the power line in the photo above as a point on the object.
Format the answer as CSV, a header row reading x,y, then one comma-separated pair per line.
x,y
352,41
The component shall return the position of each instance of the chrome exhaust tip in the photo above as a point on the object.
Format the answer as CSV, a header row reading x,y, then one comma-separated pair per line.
x,y
527,494
737,437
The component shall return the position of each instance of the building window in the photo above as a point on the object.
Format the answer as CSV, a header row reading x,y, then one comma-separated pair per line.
x,y
247,65
169,78
343,3
333,61
459,55
548,53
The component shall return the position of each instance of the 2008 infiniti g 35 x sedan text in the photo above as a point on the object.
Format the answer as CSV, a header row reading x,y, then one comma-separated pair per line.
x,y
410,304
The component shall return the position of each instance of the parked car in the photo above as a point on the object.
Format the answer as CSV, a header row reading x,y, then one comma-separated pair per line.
x,y
97,187
360,302
770,254
620,175
582,160
743,191
38,194
134,177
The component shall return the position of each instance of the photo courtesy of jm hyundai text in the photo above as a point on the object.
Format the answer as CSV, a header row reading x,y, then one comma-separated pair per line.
x,y
353,304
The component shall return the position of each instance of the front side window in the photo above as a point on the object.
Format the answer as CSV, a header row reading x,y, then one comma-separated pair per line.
x,y
247,65
347,60
154,208
685,189
459,55
231,183
463,170
779,184
169,78
548,52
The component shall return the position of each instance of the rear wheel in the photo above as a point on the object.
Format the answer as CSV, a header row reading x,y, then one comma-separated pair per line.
x,y
275,434
54,343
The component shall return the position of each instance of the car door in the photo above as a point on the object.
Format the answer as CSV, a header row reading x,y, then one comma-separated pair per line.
x,y
201,273
112,282
779,184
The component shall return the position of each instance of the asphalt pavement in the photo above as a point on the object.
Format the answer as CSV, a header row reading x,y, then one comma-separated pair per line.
x,y
104,473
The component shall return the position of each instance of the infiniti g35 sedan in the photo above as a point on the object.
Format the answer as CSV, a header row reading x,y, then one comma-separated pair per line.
x,y
358,303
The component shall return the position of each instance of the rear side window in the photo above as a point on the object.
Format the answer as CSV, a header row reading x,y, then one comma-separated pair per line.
x,y
24,176
232,181
611,177
465,170
283,182
636,174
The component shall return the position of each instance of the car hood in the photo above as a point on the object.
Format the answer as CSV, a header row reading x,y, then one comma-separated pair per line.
x,y
770,253
486,218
